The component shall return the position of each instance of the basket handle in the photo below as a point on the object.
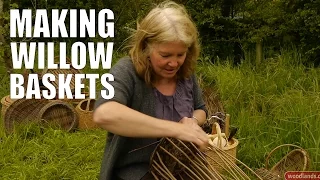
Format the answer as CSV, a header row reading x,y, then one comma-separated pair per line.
x,y
88,105
216,128
276,148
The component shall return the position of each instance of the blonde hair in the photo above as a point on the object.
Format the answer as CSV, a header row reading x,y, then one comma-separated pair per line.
x,y
167,22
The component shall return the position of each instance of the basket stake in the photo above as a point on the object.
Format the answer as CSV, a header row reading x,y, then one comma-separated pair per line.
x,y
226,131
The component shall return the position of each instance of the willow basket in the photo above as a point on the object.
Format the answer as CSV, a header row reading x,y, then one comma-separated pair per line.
x,y
296,160
5,102
58,71
85,111
22,111
215,159
58,114
76,101
26,74
175,159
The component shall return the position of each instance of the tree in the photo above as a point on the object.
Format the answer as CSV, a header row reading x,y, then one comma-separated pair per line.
x,y
5,55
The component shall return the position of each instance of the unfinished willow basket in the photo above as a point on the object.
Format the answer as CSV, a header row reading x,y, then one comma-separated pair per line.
x,y
85,112
175,159
22,111
295,160
58,114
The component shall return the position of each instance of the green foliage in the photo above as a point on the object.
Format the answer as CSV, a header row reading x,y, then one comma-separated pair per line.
x,y
277,24
227,27
277,103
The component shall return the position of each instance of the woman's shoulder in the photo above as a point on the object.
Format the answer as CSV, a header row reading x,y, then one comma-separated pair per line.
x,y
124,62
124,69
123,65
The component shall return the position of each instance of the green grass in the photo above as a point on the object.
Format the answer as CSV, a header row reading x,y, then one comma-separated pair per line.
x,y
36,153
272,104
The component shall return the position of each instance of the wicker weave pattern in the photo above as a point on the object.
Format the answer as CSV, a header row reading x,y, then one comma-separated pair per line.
x,y
267,175
175,159
58,71
85,112
21,111
215,159
296,160
58,114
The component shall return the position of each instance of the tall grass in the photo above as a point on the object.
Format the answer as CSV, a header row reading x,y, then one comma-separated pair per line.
x,y
274,103
33,152
36,153
277,102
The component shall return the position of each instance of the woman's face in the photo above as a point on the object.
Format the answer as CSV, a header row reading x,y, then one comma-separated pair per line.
x,y
167,58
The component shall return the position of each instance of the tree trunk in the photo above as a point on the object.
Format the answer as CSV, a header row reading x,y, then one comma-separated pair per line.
x,y
258,52
226,8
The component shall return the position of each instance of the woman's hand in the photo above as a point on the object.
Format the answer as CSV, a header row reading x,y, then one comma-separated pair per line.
x,y
190,131
190,121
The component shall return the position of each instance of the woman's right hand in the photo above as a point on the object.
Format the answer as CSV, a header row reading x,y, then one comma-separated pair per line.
x,y
192,133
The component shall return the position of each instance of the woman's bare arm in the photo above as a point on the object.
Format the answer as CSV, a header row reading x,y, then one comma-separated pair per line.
x,y
200,116
122,120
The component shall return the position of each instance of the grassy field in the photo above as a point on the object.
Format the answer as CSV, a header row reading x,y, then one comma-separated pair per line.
x,y
275,103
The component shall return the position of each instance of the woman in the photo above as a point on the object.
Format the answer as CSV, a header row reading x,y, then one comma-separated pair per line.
x,y
156,94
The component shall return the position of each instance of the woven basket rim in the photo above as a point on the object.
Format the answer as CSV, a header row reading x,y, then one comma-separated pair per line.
x,y
78,107
59,102
293,152
219,134
298,149
4,100
231,146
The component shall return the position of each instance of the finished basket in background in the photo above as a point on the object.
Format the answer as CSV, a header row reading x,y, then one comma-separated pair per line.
x,y
296,160
85,113
76,101
58,114
26,73
5,102
22,111
58,71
